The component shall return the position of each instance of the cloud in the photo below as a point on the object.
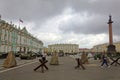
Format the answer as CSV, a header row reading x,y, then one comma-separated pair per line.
x,y
49,37
83,23
65,21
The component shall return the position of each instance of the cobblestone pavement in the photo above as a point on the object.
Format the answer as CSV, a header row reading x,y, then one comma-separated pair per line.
x,y
64,71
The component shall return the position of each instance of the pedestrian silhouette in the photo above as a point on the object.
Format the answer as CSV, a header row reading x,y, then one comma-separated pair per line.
x,y
104,61
79,62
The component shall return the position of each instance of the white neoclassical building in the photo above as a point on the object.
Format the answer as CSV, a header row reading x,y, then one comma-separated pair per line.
x,y
16,39
66,48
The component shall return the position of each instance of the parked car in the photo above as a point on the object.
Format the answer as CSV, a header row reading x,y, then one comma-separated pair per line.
x,y
61,54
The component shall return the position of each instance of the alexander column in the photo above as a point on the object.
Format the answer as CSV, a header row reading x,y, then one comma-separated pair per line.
x,y
111,48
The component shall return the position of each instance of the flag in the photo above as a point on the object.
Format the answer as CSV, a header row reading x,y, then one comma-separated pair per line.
x,y
21,20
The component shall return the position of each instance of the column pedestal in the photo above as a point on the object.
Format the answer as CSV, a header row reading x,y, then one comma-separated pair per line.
x,y
111,49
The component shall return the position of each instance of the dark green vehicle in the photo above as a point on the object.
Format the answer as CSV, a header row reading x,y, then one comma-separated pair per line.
x,y
3,55
28,55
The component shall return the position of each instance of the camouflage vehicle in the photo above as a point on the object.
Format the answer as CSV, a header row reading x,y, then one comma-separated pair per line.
x,y
17,54
28,55
3,55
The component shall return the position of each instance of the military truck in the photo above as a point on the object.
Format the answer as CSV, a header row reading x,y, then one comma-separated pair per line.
x,y
28,55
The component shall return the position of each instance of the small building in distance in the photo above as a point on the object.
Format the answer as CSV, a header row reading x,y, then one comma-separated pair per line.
x,y
86,50
64,48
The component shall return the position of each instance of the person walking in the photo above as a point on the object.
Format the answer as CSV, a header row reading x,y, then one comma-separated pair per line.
x,y
104,61
44,56
79,62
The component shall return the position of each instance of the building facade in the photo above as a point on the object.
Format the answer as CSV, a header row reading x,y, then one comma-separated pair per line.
x,y
16,39
65,48
86,50
103,47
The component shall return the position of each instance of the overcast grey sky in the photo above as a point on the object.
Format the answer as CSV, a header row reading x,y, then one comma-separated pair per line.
x,y
82,22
